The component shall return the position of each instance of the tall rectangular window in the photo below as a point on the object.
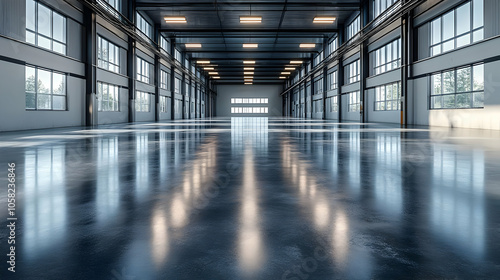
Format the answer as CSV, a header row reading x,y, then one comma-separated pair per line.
x,y
332,46
318,86
334,105
379,6
354,101
142,70
163,104
141,101
353,28
108,55
388,97
107,97
177,85
332,80
387,57
143,25
164,80
458,88
177,55
165,44
352,71
45,27
45,89
459,27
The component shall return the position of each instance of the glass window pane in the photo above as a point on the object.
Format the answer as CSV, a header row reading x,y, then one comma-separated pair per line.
x,y
478,74
436,50
449,101
448,46
448,25
436,102
449,82
464,79
463,19
478,99
43,101
44,82
58,47
58,83
30,14
59,102
478,35
58,27
478,13
44,20
44,42
30,37
436,31
463,40
30,100
388,92
30,79
464,100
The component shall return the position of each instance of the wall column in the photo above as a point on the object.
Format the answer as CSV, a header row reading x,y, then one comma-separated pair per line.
x,y
90,68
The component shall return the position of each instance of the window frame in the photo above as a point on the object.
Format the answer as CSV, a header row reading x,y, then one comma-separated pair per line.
x,y
51,94
356,106
378,101
36,33
140,75
116,104
100,59
142,101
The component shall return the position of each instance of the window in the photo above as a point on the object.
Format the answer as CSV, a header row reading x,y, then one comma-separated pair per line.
x,y
143,25
379,6
388,97
112,6
457,28
318,106
178,55
458,88
387,57
108,55
45,89
318,86
249,100
353,28
141,101
332,46
352,71
142,70
177,85
107,97
249,110
354,101
318,58
163,104
164,80
45,28
332,80
334,105
165,44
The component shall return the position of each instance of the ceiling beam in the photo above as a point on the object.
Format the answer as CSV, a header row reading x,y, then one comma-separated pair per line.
x,y
333,4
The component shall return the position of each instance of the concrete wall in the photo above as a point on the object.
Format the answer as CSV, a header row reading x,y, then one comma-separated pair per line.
x,y
226,92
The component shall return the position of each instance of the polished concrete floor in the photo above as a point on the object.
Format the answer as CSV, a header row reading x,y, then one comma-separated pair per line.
x,y
254,198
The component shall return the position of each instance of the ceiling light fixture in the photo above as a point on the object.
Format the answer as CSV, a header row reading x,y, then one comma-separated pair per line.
x,y
250,45
285,73
307,45
213,73
324,19
289,68
193,45
249,62
248,83
248,68
295,62
282,77
250,19
208,68
248,73
216,77
248,77
248,80
175,19
203,62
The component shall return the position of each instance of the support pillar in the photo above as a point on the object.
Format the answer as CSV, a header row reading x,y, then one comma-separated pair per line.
x,y
90,68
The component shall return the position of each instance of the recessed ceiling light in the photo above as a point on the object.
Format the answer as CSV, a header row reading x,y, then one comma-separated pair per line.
x,y
295,62
248,80
248,73
203,62
250,19
210,68
213,73
249,62
250,45
248,83
248,68
289,68
307,45
248,77
282,77
285,73
324,19
193,45
216,77
175,19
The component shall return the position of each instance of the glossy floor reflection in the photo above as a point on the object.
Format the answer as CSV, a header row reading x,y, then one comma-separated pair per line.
x,y
255,198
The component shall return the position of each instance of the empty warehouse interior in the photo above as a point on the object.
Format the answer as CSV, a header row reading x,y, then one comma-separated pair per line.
x,y
250,139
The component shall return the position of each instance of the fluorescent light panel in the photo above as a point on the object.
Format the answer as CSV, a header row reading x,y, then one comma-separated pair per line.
x,y
285,73
295,62
248,61
213,73
208,68
289,68
248,77
203,62
248,68
216,77
248,73
307,45
248,83
282,77
324,19
250,45
250,19
175,19
193,45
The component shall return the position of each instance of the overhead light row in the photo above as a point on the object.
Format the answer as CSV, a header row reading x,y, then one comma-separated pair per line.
x,y
249,46
246,19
